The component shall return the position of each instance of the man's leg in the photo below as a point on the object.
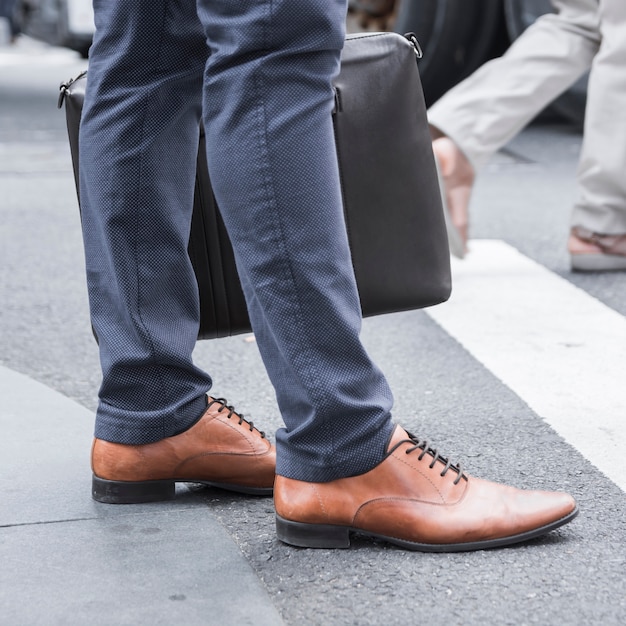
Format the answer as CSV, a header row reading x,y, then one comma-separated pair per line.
x,y
271,153
139,141
341,465
486,110
601,207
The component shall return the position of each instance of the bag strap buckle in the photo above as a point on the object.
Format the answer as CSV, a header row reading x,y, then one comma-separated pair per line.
x,y
416,44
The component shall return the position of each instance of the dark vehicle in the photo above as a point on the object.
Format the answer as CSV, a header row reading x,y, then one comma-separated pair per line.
x,y
456,36
67,23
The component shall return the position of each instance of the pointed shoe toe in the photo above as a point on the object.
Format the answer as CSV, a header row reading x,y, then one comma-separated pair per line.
x,y
419,500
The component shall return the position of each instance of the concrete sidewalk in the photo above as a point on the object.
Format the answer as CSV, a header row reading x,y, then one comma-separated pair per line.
x,y
69,560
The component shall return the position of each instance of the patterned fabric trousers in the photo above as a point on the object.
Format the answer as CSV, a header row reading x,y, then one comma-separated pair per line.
x,y
259,73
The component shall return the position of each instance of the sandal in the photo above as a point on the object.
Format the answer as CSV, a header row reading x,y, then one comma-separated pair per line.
x,y
595,252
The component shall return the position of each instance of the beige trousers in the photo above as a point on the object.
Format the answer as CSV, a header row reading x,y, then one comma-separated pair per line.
x,y
490,107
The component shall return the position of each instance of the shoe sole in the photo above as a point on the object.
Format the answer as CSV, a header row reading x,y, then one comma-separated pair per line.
x,y
329,536
123,492
597,262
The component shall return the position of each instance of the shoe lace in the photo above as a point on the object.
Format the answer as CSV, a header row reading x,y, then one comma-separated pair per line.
x,y
231,411
426,448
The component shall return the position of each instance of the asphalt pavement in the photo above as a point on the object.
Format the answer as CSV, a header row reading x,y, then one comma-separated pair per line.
x,y
210,557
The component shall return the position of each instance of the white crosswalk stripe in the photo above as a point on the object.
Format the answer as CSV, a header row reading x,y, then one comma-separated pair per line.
x,y
558,348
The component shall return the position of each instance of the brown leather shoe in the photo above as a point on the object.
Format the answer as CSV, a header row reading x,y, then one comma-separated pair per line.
x,y
418,500
222,449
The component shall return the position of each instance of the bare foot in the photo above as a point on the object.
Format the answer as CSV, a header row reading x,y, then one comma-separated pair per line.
x,y
458,179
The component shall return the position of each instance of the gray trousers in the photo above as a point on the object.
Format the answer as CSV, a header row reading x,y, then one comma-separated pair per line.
x,y
259,73
489,108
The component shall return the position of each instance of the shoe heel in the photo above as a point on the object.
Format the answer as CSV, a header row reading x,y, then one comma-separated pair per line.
x,y
121,492
312,535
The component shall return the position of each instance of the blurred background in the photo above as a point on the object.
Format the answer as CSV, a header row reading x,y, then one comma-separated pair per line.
x,y
456,36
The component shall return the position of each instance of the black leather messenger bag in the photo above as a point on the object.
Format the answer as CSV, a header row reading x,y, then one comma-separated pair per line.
x,y
392,203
